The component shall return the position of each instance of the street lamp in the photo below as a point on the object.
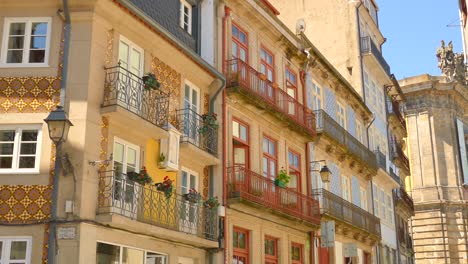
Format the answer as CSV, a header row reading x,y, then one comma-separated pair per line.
x,y
58,125
324,172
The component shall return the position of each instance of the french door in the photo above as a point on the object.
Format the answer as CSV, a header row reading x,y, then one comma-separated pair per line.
x,y
131,63
191,112
126,157
189,210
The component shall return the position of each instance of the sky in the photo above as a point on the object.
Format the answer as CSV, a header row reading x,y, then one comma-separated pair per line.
x,y
413,29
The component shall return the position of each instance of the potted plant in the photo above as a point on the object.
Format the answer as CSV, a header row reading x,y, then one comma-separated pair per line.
x,y
161,162
208,123
142,177
211,202
282,179
165,187
150,81
192,196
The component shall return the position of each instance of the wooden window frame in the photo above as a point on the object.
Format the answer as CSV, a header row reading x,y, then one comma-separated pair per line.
x,y
269,157
244,253
266,64
296,170
301,254
272,259
239,42
241,143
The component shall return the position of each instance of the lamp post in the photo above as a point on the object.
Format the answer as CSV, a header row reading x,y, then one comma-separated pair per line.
x,y
58,125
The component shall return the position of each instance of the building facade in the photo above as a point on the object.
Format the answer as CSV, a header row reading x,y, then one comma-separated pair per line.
x,y
138,94
437,136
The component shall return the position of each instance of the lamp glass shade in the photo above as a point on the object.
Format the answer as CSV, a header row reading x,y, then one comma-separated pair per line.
x,y
58,125
325,174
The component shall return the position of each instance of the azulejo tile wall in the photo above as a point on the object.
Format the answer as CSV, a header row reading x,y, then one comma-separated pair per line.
x,y
25,203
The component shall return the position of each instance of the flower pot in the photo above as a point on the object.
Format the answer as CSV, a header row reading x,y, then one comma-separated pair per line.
x,y
161,165
280,183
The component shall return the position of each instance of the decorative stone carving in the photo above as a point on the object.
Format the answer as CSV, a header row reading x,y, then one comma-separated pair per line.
x,y
452,65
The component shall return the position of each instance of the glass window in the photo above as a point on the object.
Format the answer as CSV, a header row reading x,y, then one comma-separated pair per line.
x,y
317,97
269,158
15,250
341,115
240,246
114,254
186,16
296,253
19,149
27,41
271,250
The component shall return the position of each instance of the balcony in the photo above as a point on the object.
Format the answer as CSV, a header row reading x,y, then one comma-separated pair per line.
x,y
131,106
120,196
398,156
368,47
251,187
196,130
393,109
381,159
326,125
341,210
394,175
402,196
246,80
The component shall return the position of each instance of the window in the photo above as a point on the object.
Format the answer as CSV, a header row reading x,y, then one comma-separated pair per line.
x,y
345,188
271,250
240,244
291,89
186,16
359,130
26,41
294,170
363,194
375,194
191,110
130,57
267,65
296,253
239,43
107,253
20,149
388,201
341,115
269,158
383,211
15,250
316,97
189,212
240,143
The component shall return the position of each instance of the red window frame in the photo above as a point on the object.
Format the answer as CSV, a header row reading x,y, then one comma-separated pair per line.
x,y
241,253
267,65
293,170
271,259
290,84
301,253
239,42
269,158
238,142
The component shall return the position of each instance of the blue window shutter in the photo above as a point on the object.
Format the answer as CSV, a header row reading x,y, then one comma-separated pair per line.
x,y
355,191
351,120
335,181
330,103
462,146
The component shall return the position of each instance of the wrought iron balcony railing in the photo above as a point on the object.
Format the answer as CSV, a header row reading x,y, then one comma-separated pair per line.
x,y
402,195
250,186
398,156
342,210
393,108
368,47
125,89
241,75
196,129
326,124
118,195
381,159
394,175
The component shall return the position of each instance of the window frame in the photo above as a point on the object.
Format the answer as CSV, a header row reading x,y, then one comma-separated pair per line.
x,y
5,250
295,170
266,64
132,45
239,42
301,253
189,173
346,188
184,4
245,144
243,253
271,258
121,246
27,41
341,114
317,96
16,149
270,157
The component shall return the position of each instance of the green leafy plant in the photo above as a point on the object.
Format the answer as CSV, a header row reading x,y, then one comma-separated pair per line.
x,y
211,202
208,123
150,81
192,196
166,186
142,177
282,179
162,159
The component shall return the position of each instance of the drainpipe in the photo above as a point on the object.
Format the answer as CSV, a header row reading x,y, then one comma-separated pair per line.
x,y
360,55
52,242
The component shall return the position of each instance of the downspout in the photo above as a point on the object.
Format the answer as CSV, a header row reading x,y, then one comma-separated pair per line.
x,y
395,219
52,242
361,65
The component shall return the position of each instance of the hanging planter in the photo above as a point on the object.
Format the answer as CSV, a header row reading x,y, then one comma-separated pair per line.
x,y
282,179
165,187
142,177
209,123
211,203
150,82
192,196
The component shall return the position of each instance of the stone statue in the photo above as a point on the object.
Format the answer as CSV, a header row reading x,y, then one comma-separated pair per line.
x,y
451,64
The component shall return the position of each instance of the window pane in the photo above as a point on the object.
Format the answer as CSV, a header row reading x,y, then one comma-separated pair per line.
x,y
132,256
6,162
193,181
265,145
239,155
29,135
27,162
6,148
241,240
14,56
235,129
18,250
235,32
28,148
123,52
243,133
38,42
16,43
17,28
36,56
107,254
242,37
7,135
131,157
155,258
235,242
118,152
39,28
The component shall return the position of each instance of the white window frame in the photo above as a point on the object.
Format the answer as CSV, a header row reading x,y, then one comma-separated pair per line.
x,y
182,24
132,45
189,172
341,114
346,188
27,41
16,149
317,96
6,246
364,200
359,131
122,246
